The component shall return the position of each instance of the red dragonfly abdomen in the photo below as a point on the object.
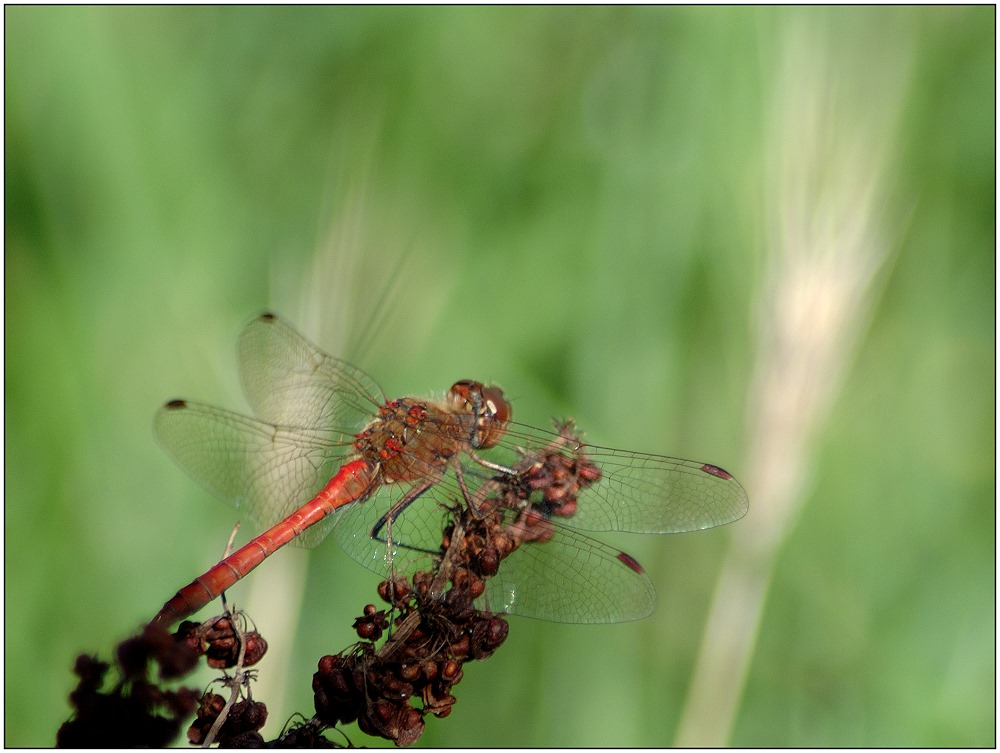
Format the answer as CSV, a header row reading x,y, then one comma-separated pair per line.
x,y
351,484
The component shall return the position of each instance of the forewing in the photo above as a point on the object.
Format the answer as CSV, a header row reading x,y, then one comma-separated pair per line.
x,y
638,492
289,381
645,493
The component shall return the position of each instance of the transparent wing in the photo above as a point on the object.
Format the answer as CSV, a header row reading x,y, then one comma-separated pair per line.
x,y
638,492
416,532
569,578
291,382
266,471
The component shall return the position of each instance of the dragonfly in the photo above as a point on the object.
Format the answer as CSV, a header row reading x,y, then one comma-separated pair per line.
x,y
326,451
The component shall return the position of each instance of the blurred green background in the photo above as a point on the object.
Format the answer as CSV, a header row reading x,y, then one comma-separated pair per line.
x,y
565,201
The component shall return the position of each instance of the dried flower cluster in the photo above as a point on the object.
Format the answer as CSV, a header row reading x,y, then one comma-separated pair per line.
x,y
435,631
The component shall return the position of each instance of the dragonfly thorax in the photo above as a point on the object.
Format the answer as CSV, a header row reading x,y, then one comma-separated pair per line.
x,y
412,440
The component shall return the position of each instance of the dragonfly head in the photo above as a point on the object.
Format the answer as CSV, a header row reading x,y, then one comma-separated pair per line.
x,y
489,408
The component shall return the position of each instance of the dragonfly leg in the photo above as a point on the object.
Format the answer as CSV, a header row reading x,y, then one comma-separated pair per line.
x,y
394,512
501,469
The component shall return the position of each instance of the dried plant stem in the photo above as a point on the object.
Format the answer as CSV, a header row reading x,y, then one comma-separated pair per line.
x,y
235,684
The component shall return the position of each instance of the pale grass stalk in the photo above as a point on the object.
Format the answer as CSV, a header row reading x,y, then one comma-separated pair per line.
x,y
828,237
326,308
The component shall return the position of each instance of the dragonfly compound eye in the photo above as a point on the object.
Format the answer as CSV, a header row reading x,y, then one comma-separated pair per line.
x,y
494,414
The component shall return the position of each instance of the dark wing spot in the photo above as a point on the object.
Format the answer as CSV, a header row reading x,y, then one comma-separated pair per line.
x,y
717,471
175,404
630,562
